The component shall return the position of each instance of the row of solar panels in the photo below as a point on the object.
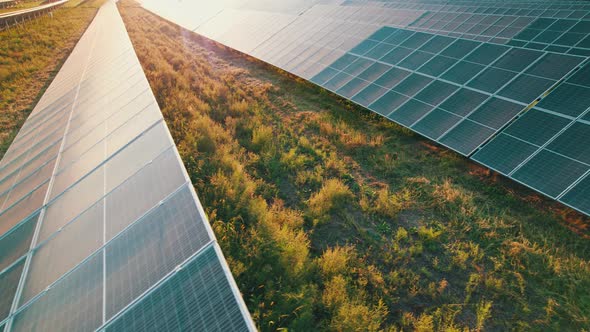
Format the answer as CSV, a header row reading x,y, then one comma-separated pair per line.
x,y
508,87
100,227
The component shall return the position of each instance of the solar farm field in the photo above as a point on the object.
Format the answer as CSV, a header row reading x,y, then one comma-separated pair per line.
x,y
334,218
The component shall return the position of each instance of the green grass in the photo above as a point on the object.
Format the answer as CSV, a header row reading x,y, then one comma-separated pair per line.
x,y
30,56
333,218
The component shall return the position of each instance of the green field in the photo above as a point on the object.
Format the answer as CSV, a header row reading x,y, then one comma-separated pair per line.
x,y
333,218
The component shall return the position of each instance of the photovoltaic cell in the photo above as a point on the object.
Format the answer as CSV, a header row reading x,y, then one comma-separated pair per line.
x,y
74,304
579,196
197,298
16,243
8,285
495,112
410,112
466,136
573,142
567,99
463,101
550,173
95,206
504,153
537,127
526,88
436,123
151,248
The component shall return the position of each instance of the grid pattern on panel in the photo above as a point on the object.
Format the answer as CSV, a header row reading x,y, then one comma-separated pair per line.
x,y
454,96
555,132
17,242
8,285
95,205
476,77
152,248
74,304
196,298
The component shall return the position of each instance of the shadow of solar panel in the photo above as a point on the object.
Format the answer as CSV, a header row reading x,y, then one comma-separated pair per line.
x,y
504,153
466,137
536,126
197,298
579,196
17,242
550,173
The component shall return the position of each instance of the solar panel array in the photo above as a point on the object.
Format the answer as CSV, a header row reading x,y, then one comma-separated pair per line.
x,y
506,83
100,227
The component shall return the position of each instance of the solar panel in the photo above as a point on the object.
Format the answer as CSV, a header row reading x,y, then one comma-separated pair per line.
x,y
464,74
97,213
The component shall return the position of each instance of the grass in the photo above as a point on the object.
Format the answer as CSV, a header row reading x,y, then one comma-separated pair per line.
x,y
333,218
30,56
